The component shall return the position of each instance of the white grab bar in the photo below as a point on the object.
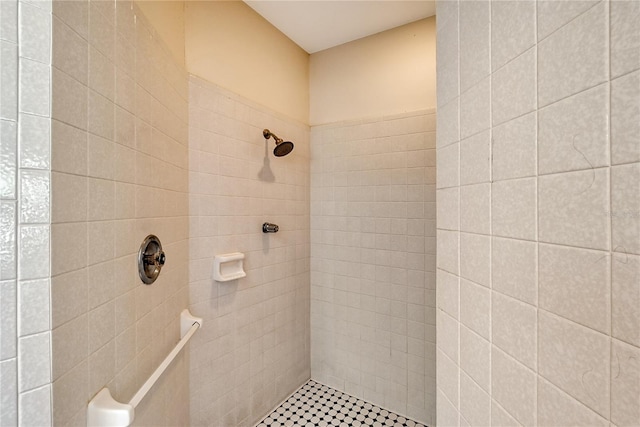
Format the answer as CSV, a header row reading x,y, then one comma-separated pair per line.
x,y
104,411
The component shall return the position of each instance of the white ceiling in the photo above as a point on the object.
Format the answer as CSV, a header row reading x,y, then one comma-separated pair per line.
x,y
316,25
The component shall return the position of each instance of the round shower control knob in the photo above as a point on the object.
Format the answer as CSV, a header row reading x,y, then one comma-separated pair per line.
x,y
151,258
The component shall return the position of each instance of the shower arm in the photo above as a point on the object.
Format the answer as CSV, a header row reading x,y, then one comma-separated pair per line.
x,y
267,134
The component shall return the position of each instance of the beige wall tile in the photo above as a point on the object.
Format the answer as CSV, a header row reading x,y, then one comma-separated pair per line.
x,y
101,32
574,283
69,247
475,312
101,74
475,159
625,205
101,326
100,157
475,403
69,345
514,269
125,132
100,116
573,133
69,196
513,89
125,91
475,258
550,80
475,40
448,293
447,66
514,328
448,251
475,357
447,413
100,234
625,297
475,108
74,14
448,166
512,30
101,199
101,368
447,372
625,383
447,204
68,296
513,212
447,327
449,123
500,417
625,109
68,149
553,15
558,408
70,393
514,387
125,51
125,165
576,359
624,39
125,200
570,209
449,13
514,146
69,100
575,57
475,207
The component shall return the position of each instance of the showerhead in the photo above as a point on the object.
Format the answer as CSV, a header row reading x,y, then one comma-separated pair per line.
x,y
282,147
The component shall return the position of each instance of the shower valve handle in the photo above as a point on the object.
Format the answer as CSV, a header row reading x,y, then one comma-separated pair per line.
x,y
267,227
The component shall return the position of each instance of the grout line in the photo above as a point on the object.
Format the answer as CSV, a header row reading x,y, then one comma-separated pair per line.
x,y
609,217
18,223
537,213
458,250
491,134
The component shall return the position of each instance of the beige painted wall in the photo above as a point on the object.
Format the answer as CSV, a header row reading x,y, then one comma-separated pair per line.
x,y
387,73
229,44
167,18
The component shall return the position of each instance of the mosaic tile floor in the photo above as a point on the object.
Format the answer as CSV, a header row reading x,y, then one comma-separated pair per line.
x,y
316,405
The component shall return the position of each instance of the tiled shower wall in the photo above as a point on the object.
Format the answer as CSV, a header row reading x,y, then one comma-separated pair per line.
x,y
119,173
25,58
253,349
538,213
373,260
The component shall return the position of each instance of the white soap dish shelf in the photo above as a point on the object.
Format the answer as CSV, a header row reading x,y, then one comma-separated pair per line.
x,y
227,267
